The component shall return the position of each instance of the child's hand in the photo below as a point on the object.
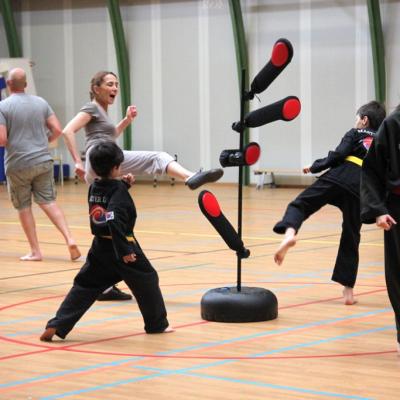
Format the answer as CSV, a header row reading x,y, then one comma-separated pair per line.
x,y
129,179
385,222
306,170
129,258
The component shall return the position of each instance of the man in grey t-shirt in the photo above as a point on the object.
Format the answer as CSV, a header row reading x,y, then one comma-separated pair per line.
x,y
24,123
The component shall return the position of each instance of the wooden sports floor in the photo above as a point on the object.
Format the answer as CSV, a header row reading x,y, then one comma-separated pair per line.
x,y
317,348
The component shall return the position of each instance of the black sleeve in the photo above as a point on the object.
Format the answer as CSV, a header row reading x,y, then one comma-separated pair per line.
x,y
118,223
374,177
337,156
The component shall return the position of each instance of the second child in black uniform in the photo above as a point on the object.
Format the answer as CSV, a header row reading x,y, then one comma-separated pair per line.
x,y
340,187
115,254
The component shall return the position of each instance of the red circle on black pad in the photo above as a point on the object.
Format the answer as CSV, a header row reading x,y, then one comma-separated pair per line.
x,y
252,154
291,109
280,54
211,205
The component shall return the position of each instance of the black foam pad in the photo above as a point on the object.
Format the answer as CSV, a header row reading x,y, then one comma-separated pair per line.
x,y
282,54
209,206
235,157
285,109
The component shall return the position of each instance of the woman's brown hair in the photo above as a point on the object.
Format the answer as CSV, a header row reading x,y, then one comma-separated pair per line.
x,y
97,80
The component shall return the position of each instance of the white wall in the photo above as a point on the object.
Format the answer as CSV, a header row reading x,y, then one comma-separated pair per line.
x,y
184,77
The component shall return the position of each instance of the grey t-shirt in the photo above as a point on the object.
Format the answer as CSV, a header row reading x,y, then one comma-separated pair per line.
x,y
99,128
25,117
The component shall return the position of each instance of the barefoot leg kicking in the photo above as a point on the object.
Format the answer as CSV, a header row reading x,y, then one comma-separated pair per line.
x,y
288,242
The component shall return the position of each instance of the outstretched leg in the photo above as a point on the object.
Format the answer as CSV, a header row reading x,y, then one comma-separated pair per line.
x,y
288,242
305,204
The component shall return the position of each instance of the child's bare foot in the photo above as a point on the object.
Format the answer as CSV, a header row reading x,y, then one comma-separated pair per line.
x,y
166,330
74,252
47,335
288,242
348,296
31,257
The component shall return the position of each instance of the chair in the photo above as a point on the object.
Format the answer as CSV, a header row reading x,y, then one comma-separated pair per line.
x,y
57,157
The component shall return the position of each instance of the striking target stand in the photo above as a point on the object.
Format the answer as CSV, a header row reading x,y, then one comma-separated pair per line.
x,y
246,304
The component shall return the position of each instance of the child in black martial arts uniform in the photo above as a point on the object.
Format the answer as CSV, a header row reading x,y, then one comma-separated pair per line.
x,y
380,201
115,254
340,187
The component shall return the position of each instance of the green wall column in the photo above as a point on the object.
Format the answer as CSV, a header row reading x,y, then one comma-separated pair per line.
x,y
378,49
13,42
123,64
241,61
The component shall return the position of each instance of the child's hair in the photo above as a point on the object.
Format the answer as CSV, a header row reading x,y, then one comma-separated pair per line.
x,y
104,157
375,112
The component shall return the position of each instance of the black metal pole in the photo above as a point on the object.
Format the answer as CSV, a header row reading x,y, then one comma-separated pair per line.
x,y
240,189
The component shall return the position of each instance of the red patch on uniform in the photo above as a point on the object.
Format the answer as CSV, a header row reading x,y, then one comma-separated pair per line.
x,y
211,205
367,142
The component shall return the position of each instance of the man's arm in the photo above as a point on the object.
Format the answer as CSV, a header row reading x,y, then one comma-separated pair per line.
x,y
3,136
54,126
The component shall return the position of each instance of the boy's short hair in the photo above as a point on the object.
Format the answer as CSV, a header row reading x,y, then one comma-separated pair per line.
x,y
104,157
375,112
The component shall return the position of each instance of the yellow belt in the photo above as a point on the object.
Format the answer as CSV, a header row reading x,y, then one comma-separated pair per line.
x,y
355,160
128,238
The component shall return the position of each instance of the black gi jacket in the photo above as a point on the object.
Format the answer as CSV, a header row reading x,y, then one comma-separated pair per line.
x,y
381,169
113,214
345,173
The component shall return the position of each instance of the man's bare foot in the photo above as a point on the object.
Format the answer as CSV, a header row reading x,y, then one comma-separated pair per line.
x,y
47,335
74,251
348,296
288,242
31,257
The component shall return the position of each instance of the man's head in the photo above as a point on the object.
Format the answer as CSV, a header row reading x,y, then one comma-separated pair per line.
x,y
105,158
16,80
370,115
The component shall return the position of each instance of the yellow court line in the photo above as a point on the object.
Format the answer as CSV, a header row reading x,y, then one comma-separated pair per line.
x,y
205,235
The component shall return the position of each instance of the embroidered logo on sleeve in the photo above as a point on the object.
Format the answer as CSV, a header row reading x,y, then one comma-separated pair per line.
x,y
109,215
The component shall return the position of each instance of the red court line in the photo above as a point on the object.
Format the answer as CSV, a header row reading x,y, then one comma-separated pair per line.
x,y
46,348
69,347
233,357
30,301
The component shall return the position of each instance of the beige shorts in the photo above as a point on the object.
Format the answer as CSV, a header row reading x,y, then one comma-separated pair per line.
x,y
37,180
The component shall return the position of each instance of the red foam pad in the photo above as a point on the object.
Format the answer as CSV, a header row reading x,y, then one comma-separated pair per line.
x,y
291,109
211,205
252,154
280,54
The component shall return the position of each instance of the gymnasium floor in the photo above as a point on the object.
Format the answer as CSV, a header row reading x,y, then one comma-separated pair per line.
x,y
317,348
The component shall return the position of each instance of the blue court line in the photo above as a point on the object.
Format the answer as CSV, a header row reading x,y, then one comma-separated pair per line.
x,y
186,371
274,332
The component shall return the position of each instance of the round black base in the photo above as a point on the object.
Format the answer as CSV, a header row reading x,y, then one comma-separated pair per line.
x,y
227,304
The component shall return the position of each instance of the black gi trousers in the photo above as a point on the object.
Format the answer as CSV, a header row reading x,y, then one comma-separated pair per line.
x,y
101,270
392,259
319,194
